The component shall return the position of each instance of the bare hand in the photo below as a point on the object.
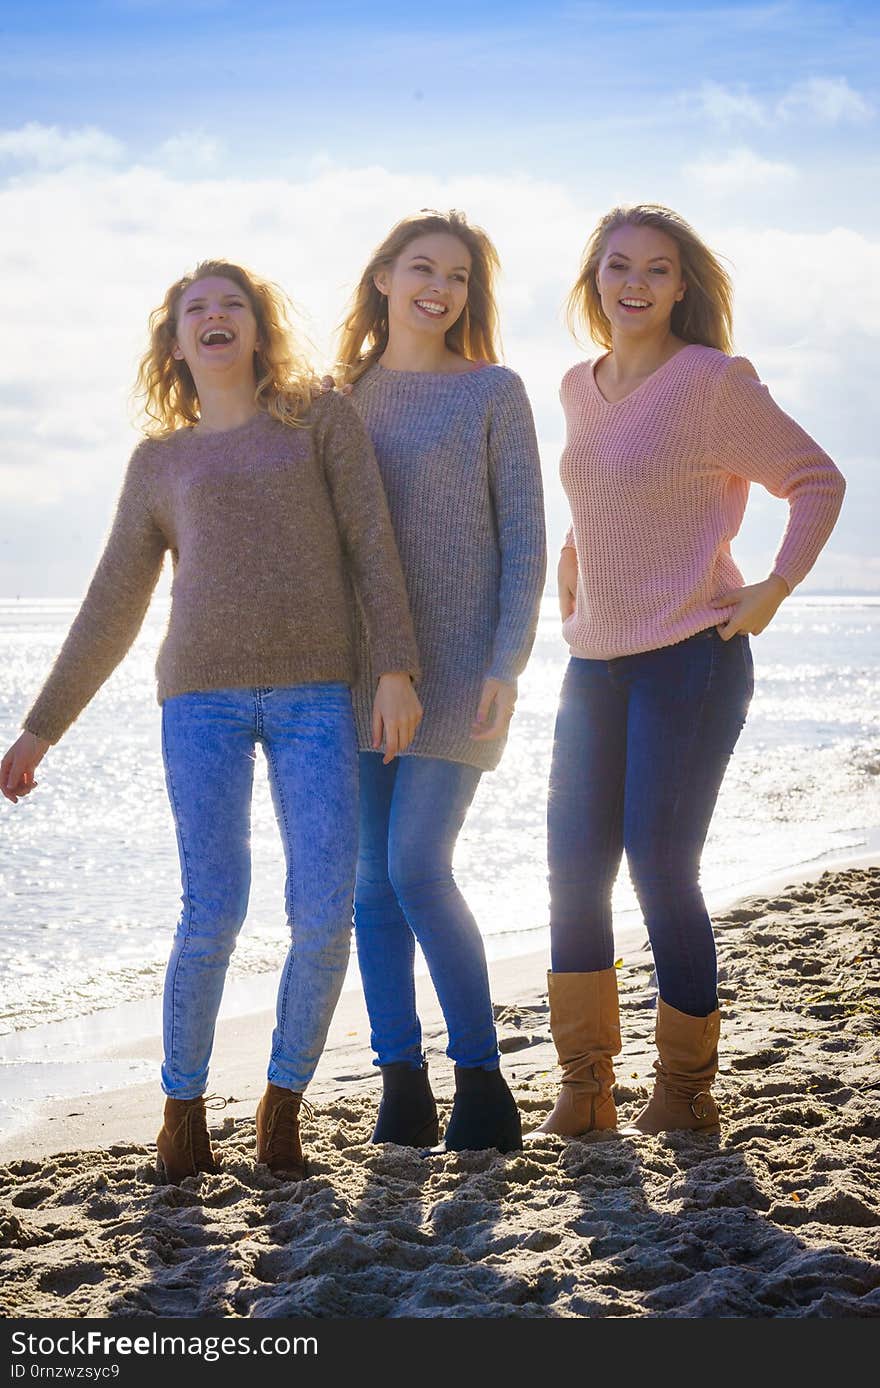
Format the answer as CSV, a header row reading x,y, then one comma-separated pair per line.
x,y
396,714
497,703
18,766
567,581
753,606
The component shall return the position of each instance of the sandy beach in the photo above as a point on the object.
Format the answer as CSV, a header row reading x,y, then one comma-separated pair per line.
x,y
780,1217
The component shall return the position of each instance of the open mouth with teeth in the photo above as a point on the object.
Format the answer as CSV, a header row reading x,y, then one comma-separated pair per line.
x,y
216,337
431,308
634,305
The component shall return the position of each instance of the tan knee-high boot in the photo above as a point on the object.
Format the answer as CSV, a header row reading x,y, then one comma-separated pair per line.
x,y
585,1025
687,1048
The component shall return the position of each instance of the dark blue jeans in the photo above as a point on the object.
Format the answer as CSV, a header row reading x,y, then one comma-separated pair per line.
x,y
641,746
411,812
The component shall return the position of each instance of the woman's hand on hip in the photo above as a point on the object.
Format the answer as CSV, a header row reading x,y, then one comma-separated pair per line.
x,y
567,581
397,713
497,703
18,766
754,606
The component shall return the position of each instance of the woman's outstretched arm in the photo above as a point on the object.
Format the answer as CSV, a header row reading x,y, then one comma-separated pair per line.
x,y
107,623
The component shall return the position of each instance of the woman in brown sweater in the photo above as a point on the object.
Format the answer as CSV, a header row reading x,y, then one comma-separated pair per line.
x,y
270,502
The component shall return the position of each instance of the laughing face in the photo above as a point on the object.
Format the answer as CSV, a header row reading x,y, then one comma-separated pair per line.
x,y
216,328
427,286
639,279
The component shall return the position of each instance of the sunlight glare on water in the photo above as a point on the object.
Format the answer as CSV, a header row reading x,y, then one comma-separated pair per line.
x,y
89,877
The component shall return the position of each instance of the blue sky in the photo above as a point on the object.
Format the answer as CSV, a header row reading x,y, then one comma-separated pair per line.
x,y
558,87
135,139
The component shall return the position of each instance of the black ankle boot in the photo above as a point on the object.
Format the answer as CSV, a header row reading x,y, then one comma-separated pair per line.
x,y
407,1113
484,1114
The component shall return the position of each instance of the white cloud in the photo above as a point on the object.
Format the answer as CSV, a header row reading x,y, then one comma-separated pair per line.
x,y
807,292
817,100
739,171
828,100
727,106
86,253
192,152
47,147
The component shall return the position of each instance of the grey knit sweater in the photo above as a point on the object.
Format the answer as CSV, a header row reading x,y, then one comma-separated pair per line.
x,y
459,459
267,526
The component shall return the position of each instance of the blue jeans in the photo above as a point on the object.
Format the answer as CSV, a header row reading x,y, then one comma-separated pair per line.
x,y
209,746
642,743
410,816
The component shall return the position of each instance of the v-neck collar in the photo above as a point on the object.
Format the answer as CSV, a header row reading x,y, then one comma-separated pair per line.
x,y
660,370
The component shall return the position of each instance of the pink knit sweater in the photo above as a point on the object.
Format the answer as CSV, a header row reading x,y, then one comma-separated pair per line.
x,y
658,484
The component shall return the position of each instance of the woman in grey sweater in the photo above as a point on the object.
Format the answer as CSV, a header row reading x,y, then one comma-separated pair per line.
x,y
455,441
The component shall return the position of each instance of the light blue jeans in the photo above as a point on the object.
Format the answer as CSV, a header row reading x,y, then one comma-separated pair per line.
x,y
209,744
410,816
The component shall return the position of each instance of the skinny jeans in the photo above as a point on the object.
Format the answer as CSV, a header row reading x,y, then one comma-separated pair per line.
x,y
411,812
209,742
641,746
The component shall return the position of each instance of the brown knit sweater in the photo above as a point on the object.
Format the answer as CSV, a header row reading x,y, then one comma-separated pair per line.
x,y
267,525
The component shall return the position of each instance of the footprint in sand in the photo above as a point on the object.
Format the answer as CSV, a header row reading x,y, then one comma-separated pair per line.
x,y
756,1060
515,1014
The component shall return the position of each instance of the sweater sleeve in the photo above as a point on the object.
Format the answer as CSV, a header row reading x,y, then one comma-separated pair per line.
x,y
367,536
755,439
111,613
518,500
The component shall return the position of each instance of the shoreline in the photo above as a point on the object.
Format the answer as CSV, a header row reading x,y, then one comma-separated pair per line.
x,y
107,1089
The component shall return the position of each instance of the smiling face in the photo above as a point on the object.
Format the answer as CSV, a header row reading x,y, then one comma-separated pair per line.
x,y
427,286
215,327
639,279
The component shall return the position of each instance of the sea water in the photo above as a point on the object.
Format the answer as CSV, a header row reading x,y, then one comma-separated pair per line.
x,y
89,877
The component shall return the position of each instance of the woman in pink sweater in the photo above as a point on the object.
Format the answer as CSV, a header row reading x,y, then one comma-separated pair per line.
x,y
665,431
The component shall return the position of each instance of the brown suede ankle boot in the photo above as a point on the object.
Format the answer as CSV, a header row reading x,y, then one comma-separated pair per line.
x,y
687,1048
278,1140
184,1143
585,1025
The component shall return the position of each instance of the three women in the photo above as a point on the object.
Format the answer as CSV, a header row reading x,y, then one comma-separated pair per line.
x,y
260,492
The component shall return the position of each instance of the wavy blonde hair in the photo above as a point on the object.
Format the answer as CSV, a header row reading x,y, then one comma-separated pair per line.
x,y
283,376
363,335
704,315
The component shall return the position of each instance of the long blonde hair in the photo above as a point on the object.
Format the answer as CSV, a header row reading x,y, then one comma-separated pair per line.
x,y
363,336
282,373
704,315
